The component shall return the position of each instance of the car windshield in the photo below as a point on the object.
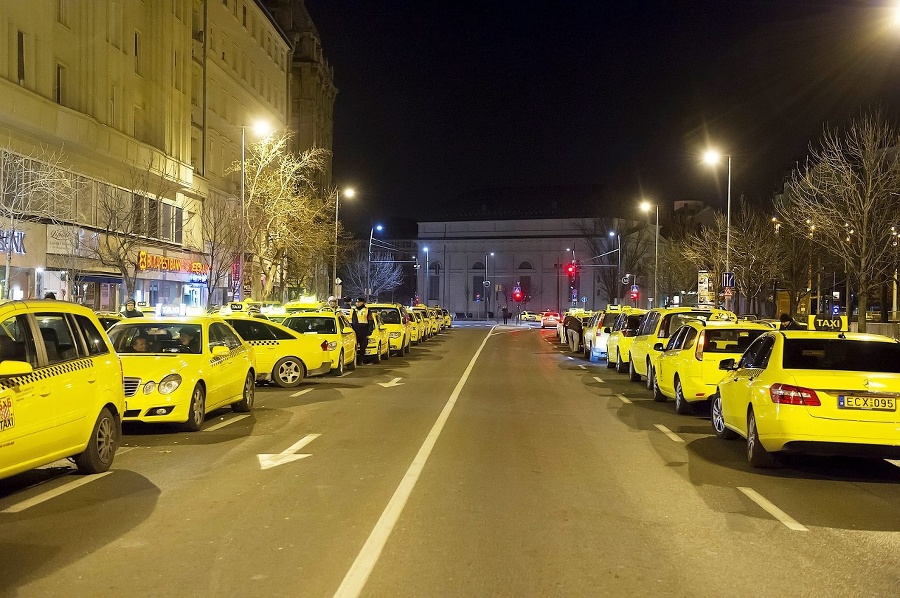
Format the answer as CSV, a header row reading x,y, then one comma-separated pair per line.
x,y
389,315
673,322
156,338
632,322
312,325
609,318
729,341
841,354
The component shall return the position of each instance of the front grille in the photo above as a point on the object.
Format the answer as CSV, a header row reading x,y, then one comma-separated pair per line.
x,y
132,412
131,386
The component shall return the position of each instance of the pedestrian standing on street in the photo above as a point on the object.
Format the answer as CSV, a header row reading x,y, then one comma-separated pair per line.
x,y
49,295
363,323
789,323
505,316
130,311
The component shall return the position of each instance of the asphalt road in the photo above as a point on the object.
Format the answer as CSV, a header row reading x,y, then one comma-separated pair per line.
x,y
478,466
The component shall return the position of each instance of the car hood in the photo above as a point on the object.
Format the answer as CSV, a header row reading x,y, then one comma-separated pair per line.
x,y
156,367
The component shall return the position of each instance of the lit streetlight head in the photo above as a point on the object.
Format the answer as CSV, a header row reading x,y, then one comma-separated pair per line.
x,y
492,254
712,157
261,128
425,249
378,227
646,206
612,233
349,192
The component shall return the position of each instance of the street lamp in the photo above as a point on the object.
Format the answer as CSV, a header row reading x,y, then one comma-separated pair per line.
x,y
713,157
349,192
260,129
379,228
427,276
613,233
645,207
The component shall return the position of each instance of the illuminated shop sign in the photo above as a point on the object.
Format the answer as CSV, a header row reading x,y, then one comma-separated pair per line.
x,y
12,241
149,261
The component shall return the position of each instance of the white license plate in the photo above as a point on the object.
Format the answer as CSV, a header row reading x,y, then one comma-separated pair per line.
x,y
867,403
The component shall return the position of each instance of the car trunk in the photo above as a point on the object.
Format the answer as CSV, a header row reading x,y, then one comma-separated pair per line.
x,y
853,396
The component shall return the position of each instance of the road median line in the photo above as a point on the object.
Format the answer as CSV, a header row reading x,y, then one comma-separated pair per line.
x,y
772,510
672,435
49,494
227,422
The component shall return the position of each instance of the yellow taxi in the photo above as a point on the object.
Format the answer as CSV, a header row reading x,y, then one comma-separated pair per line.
x,y
395,318
688,367
415,327
621,335
283,356
334,328
60,388
379,342
428,321
595,335
828,393
108,318
658,326
177,369
529,316
304,304
444,317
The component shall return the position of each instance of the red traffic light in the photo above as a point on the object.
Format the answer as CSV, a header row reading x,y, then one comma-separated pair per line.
x,y
635,295
517,295
572,269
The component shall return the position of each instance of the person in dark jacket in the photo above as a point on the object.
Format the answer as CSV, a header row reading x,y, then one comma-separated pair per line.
x,y
363,323
789,323
130,311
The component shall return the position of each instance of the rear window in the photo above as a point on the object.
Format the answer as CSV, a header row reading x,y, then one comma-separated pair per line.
x,y
841,354
389,315
729,341
312,325
673,322
608,319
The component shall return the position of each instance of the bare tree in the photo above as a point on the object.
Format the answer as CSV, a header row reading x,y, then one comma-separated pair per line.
x,y
634,241
384,276
755,257
848,190
221,223
703,248
34,188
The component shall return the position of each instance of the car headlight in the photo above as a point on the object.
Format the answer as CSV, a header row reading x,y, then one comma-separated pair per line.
x,y
395,335
168,384
332,345
149,387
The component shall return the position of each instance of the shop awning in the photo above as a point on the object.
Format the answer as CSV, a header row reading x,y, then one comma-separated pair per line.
x,y
99,278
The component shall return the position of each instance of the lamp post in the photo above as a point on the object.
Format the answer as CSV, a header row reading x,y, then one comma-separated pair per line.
x,y
337,206
377,227
260,128
713,157
618,237
427,277
645,206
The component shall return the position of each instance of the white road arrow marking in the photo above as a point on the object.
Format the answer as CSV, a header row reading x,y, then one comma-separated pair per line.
x,y
394,382
268,461
301,392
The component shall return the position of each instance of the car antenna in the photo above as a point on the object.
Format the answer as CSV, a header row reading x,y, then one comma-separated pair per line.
x,y
841,335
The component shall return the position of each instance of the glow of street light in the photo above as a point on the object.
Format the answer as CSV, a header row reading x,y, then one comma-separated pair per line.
x,y
426,249
645,206
349,192
378,227
712,157
612,233
261,128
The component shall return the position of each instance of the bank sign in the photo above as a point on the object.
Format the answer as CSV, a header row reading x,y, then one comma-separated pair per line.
x,y
13,240
149,261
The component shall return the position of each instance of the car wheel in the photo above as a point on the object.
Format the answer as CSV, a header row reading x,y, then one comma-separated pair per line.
x,y
651,377
339,371
352,365
757,454
658,396
247,396
197,410
387,354
620,365
378,354
632,374
101,448
718,419
288,372
682,406
587,351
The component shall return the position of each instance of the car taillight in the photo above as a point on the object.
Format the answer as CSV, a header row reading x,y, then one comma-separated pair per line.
x,y
787,394
698,350
324,345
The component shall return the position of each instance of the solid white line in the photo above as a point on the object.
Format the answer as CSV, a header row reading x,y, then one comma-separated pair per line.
x,y
45,496
301,392
599,379
623,399
894,462
772,510
582,366
672,435
227,422
362,567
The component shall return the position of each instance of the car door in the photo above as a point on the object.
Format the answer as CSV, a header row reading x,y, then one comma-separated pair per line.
x,y
665,367
226,369
261,339
26,419
347,336
736,387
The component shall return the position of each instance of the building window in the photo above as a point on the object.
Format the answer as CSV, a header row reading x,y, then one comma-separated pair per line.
x,y
179,225
62,12
176,71
59,93
478,266
244,15
153,218
168,222
526,266
138,67
20,62
113,102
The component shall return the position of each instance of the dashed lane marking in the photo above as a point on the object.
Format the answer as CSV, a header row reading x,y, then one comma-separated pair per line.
x,y
49,494
301,392
624,399
582,366
599,379
672,435
227,422
772,510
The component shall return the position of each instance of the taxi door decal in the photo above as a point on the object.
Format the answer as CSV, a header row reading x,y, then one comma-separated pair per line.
x,y
7,414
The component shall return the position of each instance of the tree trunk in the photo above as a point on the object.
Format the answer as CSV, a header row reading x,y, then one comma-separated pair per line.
x,y
862,302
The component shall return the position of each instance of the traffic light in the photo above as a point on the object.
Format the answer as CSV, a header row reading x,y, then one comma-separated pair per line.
x,y
572,269
635,295
517,294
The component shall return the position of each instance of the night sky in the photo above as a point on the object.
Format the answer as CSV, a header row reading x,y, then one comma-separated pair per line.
x,y
441,104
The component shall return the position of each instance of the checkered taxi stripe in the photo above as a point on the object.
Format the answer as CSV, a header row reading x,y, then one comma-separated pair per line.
x,y
48,372
233,353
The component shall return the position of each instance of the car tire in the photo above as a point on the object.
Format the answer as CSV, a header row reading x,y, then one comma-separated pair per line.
x,y
757,455
196,410
620,365
718,419
658,396
609,364
100,451
247,395
288,372
339,370
352,365
682,406
651,377
377,358
587,351
632,374
387,354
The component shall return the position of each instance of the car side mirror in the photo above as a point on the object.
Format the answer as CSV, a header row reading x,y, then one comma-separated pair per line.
x,y
658,347
219,351
607,330
15,368
347,330
727,364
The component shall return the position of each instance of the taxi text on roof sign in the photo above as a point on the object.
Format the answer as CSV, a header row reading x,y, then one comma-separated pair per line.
x,y
149,261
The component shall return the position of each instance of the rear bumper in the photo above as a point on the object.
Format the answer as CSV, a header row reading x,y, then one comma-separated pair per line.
x,y
321,370
829,437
